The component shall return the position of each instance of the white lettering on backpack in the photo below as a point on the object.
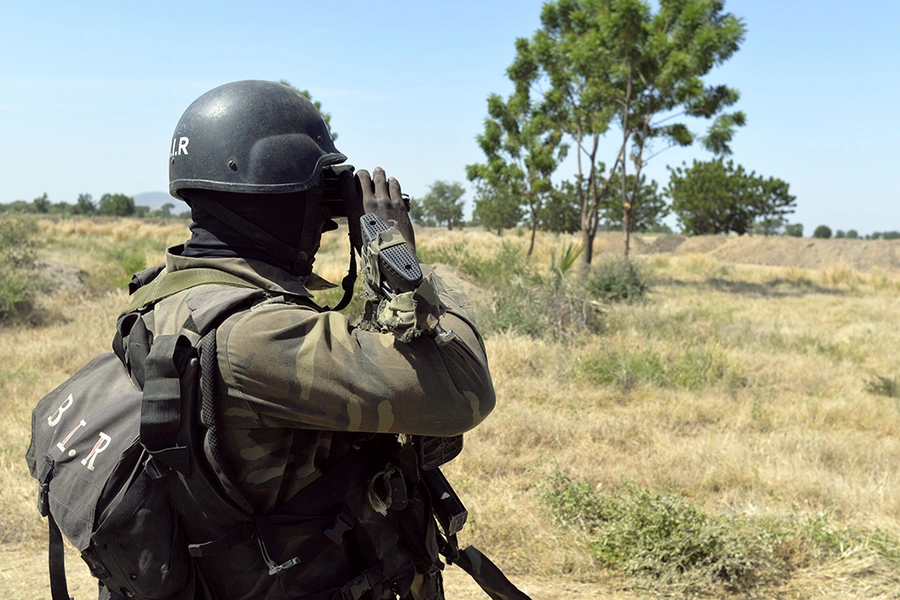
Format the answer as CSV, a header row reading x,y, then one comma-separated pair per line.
x,y
101,445
179,146
53,420
62,444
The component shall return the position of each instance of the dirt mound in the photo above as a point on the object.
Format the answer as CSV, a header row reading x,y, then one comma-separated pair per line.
x,y
664,243
62,278
806,253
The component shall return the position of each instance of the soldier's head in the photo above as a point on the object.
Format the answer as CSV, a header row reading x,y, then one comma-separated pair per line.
x,y
248,157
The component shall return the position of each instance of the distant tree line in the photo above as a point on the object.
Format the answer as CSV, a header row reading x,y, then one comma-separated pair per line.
x,y
824,232
109,205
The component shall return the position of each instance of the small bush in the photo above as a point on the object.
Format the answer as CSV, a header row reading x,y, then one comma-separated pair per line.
x,y
884,386
662,539
18,252
664,542
523,301
616,279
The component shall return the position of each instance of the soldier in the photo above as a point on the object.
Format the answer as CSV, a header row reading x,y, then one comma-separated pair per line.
x,y
303,399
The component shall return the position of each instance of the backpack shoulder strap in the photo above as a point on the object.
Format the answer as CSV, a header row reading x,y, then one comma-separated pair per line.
x,y
172,375
169,283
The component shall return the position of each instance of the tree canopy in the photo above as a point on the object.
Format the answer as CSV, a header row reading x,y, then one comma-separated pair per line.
x,y
521,146
443,203
116,205
617,62
718,197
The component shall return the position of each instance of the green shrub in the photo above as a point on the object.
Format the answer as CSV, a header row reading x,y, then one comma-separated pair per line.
x,y
616,279
18,252
663,539
664,542
884,386
691,369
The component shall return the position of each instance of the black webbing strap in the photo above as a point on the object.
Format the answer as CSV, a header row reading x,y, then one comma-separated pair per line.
x,y
57,551
487,575
161,404
58,588
347,284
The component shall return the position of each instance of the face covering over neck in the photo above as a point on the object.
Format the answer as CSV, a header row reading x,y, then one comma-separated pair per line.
x,y
279,215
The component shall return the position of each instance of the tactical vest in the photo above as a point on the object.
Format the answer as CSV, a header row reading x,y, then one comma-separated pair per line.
x,y
118,451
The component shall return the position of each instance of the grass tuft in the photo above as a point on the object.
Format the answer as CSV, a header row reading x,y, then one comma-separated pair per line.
x,y
884,386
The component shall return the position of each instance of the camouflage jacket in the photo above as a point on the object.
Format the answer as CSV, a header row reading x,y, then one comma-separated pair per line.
x,y
297,386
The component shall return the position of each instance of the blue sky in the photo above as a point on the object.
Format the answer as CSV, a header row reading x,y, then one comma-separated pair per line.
x,y
90,92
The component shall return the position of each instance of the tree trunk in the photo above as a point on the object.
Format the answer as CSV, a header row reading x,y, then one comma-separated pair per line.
x,y
626,225
587,241
535,219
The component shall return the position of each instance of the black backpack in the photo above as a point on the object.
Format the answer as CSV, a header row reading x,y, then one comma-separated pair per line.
x,y
117,456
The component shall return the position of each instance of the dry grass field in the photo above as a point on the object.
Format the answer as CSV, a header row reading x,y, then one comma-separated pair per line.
x,y
733,434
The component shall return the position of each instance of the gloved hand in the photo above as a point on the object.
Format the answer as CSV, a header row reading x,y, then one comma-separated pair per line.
x,y
381,195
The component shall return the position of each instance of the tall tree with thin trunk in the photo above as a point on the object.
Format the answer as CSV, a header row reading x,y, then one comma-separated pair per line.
x,y
521,146
617,62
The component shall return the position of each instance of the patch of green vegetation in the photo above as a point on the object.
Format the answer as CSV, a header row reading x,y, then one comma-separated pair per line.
x,y
18,253
661,540
124,260
523,301
616,279
808,343
881,385
496,271
691,369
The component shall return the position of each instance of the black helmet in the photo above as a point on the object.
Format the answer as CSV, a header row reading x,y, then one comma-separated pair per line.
x,y
257,137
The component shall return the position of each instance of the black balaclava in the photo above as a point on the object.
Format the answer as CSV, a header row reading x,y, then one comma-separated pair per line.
x,y
280,215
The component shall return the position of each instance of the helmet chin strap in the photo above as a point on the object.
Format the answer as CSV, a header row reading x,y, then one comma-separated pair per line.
x,y
300,258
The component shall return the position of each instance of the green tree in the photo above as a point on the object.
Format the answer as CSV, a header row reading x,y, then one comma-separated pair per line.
x,y
852,234
648,207
822,232
116,205
443,203
521,147
85,205
562,212
496,207
616,61
714,197
326,116
417,213
793,230
41,204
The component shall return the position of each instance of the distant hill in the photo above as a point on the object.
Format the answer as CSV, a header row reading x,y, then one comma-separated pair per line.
x,y
155,200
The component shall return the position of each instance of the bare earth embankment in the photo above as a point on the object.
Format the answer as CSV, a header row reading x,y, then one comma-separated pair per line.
x,y
741,389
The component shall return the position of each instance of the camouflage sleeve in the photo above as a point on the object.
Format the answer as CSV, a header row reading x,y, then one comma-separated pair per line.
x,y
285,365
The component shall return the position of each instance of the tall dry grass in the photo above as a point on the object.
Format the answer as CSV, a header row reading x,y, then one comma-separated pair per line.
x,y
741,390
